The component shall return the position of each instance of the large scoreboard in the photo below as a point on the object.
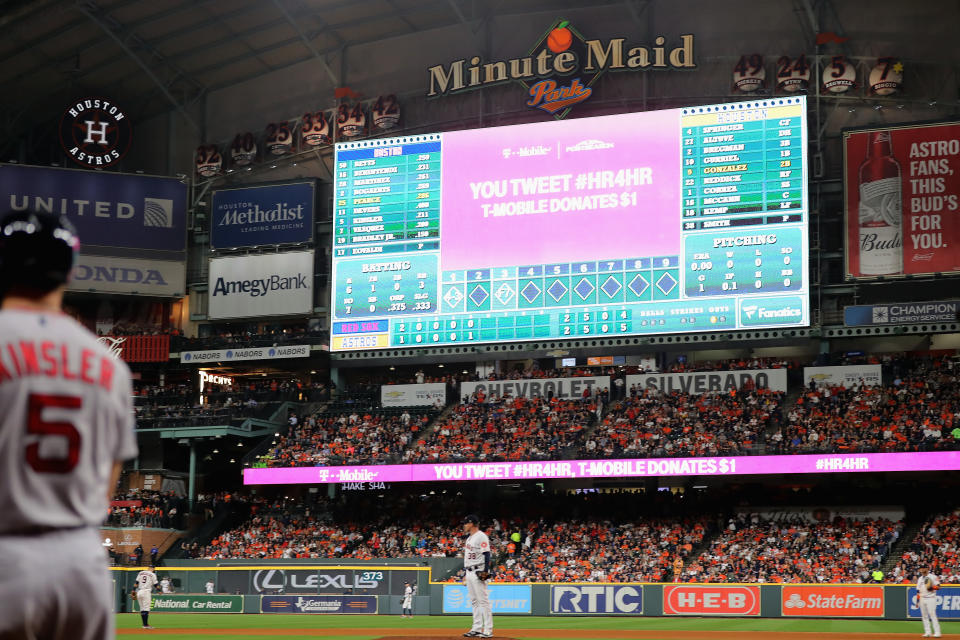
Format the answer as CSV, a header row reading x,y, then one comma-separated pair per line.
x,y
682,220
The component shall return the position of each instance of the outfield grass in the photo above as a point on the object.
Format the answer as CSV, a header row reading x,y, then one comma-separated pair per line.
x,y
199,626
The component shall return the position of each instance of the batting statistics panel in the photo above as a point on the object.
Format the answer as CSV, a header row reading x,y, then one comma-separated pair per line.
x,y
670,221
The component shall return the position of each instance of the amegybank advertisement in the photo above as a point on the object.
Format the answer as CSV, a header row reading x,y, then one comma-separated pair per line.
x,y
263,285
711,381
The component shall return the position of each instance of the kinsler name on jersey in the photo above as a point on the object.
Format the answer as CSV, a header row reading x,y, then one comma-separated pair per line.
x,y
55,360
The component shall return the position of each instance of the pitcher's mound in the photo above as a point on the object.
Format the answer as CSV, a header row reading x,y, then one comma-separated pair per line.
x,y
437,637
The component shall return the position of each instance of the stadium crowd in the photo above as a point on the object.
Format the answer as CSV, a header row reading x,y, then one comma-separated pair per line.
x,y
752,549
651,424
144,508
937,545
363,436
505,429
918,410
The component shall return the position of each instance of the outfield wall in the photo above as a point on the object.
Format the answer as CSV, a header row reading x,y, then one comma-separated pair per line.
x,y
372,589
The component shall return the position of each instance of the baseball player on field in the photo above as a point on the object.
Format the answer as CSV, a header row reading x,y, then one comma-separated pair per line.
x,y
165,585
927,587
477,565
407,603
146,581
66,426
210,587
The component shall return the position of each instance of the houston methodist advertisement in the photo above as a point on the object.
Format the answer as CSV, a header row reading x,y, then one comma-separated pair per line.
x,y
902,200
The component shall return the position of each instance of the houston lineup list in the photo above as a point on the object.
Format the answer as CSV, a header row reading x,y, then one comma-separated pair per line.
x,y
669,221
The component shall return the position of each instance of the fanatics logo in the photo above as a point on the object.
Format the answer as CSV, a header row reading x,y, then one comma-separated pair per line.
x,y
95,132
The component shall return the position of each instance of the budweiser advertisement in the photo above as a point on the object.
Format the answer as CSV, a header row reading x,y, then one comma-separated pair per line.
x,y
832,601
902,200
711,600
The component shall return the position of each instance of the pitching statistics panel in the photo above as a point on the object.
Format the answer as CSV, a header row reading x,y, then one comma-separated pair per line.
x,y
681,220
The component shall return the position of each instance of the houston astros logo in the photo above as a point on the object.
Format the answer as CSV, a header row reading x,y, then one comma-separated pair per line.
x,y
95,132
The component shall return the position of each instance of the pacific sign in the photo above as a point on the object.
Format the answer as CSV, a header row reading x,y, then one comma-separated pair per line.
x,y
559,71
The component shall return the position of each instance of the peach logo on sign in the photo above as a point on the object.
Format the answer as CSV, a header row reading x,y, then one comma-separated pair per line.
x,y
832,600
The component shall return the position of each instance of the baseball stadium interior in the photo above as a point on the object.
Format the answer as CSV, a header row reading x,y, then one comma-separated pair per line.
x,y
666,293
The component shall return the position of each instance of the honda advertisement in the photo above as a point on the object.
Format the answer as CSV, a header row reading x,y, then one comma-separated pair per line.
x,y
318,604
832,601
902,200
594,599
711,600
133,228
262,285
948,603
505,598
252,216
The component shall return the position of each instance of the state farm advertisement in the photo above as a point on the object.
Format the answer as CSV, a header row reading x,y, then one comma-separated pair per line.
x,y
902,200
711,600
832,601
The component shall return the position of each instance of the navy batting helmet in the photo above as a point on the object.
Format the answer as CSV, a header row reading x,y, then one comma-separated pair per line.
x,y
37,250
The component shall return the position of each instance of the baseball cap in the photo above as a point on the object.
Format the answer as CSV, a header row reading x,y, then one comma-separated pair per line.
x,y
472,519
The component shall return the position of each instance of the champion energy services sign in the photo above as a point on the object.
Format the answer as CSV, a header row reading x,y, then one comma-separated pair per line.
x,y
562,67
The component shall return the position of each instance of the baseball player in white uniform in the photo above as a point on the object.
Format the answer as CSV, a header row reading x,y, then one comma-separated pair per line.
x,y
407,603
66,425
927,587
476,563
210,587
165,585
146,581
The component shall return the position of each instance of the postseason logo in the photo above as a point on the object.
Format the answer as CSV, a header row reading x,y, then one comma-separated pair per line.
x,y
95,132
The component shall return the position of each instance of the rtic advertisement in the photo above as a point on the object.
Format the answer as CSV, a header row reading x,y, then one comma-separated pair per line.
x,y
903,200
711,381
195,604
318,604
839,601
711,600
948,603
593,599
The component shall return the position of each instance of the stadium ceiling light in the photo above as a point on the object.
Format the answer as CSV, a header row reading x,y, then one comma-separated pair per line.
x,y
232,460
216,451
276,434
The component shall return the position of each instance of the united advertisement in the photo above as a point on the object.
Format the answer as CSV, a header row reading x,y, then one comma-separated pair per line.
x,y
133,228
262,215
902,200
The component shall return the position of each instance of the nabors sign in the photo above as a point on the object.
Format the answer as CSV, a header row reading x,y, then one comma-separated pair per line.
x,y
561,68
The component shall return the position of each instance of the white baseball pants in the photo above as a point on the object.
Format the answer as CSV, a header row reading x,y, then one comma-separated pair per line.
x,y
480,602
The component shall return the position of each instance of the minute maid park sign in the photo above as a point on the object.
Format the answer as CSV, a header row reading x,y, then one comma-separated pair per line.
x,y
561,69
